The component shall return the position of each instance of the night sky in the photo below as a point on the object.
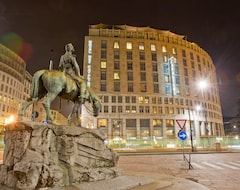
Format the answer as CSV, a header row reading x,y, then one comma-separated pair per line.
x,y
38,30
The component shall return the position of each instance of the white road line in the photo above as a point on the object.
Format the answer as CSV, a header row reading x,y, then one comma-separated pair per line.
x,y
235,164
197,165
212,165
228,166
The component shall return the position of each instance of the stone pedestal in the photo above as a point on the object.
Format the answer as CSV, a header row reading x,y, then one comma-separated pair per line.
x,y
38,155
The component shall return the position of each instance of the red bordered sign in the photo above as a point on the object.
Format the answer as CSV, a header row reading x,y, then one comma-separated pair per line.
x,y
181,123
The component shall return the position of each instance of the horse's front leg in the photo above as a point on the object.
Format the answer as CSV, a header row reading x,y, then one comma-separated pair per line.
x,y
74,110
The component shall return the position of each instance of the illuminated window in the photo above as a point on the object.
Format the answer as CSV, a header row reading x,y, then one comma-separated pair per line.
x,y
141,46
154,110
103,64
165,59
134,109
116,54
166,79
164,49
127,110
102,122
146,100
116,45
129,45
89,59
116,75
90,46
153,47
174,51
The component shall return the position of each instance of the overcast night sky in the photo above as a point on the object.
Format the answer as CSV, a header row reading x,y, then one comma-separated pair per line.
x,y
38,30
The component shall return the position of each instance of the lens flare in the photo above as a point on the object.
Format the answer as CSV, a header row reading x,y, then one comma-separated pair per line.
x,y
16,43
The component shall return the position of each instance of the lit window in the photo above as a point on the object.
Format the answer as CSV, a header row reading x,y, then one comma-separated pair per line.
x,y
141,99
103,64
116,45
174,51
116,75
129,45
153,47
90,46
141,46
164,49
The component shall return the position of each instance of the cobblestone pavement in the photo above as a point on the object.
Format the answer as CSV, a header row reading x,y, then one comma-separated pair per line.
x,y
217,171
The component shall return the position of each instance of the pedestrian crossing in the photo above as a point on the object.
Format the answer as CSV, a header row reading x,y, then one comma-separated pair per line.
x,y
234,165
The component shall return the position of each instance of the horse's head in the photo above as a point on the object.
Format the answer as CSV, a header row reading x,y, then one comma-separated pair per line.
x,y
96,105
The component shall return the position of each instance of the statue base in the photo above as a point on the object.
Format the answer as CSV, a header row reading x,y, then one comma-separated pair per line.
x,y
38,155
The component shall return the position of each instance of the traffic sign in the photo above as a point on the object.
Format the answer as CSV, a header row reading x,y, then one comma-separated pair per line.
x,y
181,123
182,135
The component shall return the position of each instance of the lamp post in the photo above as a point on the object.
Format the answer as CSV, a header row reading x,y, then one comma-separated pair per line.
x,y
190,125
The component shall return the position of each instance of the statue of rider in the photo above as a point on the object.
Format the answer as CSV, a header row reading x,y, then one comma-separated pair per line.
x,y
68,64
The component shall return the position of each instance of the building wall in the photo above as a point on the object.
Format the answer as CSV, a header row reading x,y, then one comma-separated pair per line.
x,y
149,80
14,84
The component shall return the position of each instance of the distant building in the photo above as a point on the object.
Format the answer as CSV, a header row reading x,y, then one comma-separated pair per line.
x,y
232,126
14,84
149,80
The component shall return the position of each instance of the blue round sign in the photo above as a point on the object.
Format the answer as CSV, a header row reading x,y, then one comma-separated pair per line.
x,y
182,135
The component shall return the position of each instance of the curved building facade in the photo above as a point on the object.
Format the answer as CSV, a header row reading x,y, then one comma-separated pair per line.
x,y
14,85
152,84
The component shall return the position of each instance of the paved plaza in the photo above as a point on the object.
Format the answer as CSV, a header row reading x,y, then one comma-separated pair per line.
x,y
169,171
217,171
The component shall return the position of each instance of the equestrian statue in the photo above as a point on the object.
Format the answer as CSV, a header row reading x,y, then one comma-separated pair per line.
x,y
66,83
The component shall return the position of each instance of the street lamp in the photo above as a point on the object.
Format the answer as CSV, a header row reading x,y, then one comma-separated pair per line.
x,y
190,125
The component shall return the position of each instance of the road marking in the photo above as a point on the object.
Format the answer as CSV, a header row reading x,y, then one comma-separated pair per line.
x,y
212,165
197,165
235,164
226,165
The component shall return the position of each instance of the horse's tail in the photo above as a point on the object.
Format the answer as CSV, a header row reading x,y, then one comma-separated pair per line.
x,y
35,83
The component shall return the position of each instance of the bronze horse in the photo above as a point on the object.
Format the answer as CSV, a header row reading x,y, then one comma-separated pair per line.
x,y
53,83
